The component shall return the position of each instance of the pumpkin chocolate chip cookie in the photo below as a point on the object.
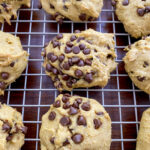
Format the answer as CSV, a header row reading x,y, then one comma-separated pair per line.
x,y
81,59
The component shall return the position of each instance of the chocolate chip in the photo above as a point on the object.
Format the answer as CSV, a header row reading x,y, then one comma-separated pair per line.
x,y
77,138
78,73
65,99
91,18
82,17
52,140
70,62
5,75
80,38
59,36
73,38
145,64
67,94
81,63
86,51
141,79
6,127
109,56
65,77
69,44
61,57
55,44
53,58
141,11
79,100
69,84
125,2
66,66
76,104
82,46
51,6
73,111
4,5
88,62
113,2
67,105
147,9
75,60
76,50
2,85
66,142
77,31
24,130
57,103
88,77
12,64
81,120
97,123
65,121
49,67
49,55
99,113
68,50
52,115
9,137
86,106
55,71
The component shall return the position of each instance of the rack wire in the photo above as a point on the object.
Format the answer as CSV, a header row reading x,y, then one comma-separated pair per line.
x,y
33,92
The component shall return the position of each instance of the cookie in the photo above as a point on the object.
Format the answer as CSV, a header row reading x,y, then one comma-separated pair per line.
x,y
137,64
143,139
135,16
13,59
75,123
75,10
82,59
8,8
12,130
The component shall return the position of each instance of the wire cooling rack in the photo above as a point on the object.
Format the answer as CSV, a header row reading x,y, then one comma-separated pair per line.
x,y
33,92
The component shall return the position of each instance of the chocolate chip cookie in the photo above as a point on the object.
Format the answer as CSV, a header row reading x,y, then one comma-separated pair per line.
x,y
143,139
8,8
13,59
81,59
137,63
75,123
135,16
12,130
75,10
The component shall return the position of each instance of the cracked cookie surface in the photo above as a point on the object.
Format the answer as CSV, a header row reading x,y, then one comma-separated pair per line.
x,y
12,130
135,16
75,123
8,8
143,139
75,10
137,63
13,59
82,59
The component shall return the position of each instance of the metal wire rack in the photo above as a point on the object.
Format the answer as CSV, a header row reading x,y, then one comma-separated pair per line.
x,y
33,92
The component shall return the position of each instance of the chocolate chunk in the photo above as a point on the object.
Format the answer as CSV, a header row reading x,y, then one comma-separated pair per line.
x,y
6,127
81,120
86,106
78,73
88,62
66,66
5,75
125,2
97,123
75,60
52,115
59,36
99,113
65,121
76,50
61,57
66,142
67,105
2,85
77,138
145,64
65,99
86,51
12,64
49,67
68,50
73,38
73,111
24,130
77,31
52,140
141,79
82,46
65,77
69,44
81,63
57,103
55,71
141,11
82,17
88,77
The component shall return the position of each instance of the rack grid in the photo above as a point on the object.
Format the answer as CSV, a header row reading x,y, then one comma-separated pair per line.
x,y
33,92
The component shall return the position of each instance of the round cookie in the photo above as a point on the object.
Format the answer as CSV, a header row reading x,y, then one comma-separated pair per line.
x,y
12,130
8,8
137,63
143,139
135,16
13,59
75,123
82,59
75,10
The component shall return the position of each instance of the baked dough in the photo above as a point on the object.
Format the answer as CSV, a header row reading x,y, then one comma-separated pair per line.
x,y
13,59
75,123
80,59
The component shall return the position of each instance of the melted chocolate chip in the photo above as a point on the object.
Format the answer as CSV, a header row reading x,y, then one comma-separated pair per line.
x,y
49,67
97,123
52,140
59,36
73,38
66,142
67,105
82,17
88,77
86,51
78,73
65,121
5,75
2,85
77,138
57,103
52,115
86,106
76,50
73,111
61,57
81,120
53,58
